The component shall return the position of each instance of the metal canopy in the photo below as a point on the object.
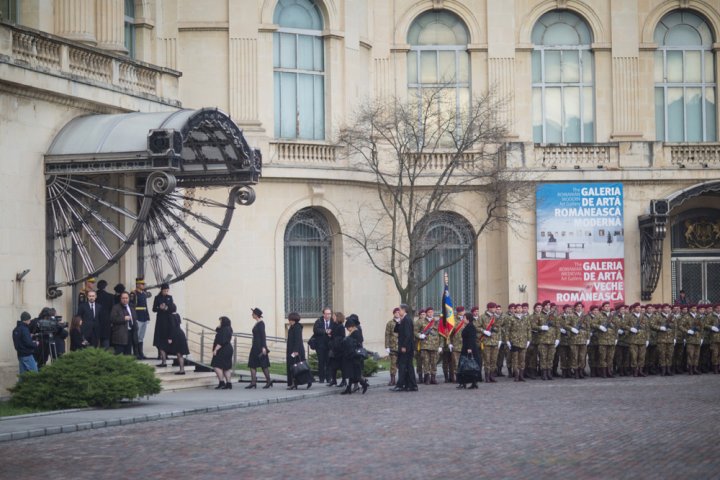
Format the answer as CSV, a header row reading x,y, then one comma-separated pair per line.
x,y
114,181
653,228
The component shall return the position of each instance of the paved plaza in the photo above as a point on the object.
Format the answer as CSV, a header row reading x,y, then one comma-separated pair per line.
x,y
615,428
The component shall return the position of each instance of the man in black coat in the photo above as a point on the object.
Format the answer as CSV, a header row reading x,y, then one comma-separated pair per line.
x,y
90,312
322,330
406,346
106,301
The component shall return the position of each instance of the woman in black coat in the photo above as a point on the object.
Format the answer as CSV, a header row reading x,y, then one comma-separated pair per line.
x,y
259,351
469,348
223,354
77,341
351,362
295,352
177,343
337,333
164,306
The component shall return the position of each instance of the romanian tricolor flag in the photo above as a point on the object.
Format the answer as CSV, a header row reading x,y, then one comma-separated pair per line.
x,y
447,321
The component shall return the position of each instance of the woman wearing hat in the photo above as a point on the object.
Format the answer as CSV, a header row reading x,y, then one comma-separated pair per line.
x,y
351,361
177,342
222,354
295,351
164,306
258,351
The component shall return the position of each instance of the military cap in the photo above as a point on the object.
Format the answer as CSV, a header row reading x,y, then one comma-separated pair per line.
x,y
475,309
140,280
594,307
491,305
460,309
396,309
635,305
525,305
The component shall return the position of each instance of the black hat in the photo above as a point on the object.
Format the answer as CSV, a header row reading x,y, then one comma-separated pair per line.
x,y
165,286
352,321
119,288
256,311
25,316
101,285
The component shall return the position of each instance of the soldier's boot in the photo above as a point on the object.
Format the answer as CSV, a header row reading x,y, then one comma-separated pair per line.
x,y
716,369
499,372
426,379
453,378
544,375
577,374
635,372
582,373
601,372
696,369
610,373
528,372
550,374
446,373
491,376
689,370
521,374
392,380
669,371
432,380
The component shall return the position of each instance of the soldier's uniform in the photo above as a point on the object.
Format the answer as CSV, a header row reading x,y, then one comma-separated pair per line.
x,y
82,293
489,344
713,325
705,311
532,366
138,299
548,335
578,338
563,349
621,360
518,334
449,365
664,326
503,352
693,326
651,356
605,329
391,346
426,335
637,339
679,349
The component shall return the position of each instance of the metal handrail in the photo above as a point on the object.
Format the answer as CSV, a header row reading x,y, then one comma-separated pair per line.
x,y
200,335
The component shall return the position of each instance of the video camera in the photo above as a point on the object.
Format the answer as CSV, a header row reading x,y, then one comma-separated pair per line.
x,y
50,325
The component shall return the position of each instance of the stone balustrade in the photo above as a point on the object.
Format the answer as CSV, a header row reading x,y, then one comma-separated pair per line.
x,y
576,156
304,152
695,155
63,58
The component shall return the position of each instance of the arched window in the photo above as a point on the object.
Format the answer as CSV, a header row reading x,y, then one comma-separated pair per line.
x,y
308,264
130,27
299,71
562,79
438,62
684,79
448,236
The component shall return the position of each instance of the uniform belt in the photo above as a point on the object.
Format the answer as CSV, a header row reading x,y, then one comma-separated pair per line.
x,y
140,308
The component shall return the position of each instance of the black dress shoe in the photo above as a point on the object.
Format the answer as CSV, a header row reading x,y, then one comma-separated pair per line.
x,y
365,386
309,385
221,386
180,373
342,384
269,384
161,365
252,385
331,384
396,389
292,387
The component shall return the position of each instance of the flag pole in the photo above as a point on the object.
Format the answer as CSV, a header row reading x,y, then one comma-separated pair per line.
x,y
446,279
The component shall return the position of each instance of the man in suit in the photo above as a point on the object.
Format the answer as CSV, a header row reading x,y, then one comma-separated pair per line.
x,y
321,331
90,312
106,301
406,346
123,319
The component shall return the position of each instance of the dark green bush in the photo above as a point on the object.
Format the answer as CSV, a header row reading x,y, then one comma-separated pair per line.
x,y
86,378
370,367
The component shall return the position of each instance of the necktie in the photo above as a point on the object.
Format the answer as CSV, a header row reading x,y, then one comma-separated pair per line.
x,y
327,325
92,307
129,314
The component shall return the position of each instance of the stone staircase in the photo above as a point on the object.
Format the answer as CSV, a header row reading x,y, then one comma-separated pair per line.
x,y
171,382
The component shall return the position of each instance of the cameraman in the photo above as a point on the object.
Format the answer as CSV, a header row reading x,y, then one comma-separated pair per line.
x,y
51,333
24,344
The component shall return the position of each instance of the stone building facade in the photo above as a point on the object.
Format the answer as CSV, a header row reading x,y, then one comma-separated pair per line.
x,y
598,91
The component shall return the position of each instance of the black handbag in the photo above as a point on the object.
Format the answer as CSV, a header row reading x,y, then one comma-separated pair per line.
x,y
361,353
312,343
468,368
300,368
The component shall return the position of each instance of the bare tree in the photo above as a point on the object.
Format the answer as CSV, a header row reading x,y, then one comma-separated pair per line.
x,y
424,154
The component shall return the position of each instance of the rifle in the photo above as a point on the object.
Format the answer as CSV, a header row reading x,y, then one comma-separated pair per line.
x,y
489,327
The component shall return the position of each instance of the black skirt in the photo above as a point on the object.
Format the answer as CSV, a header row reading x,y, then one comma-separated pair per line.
x,y
223,358
257,359
179,343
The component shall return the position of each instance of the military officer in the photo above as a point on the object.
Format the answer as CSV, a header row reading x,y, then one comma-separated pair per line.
x,y
565,321
651,358
517,338
489,337
637,339
531,356
418,324
426,335
548,338
88,286
713,325
679,359
578,337
664,326
693,326
449,366
138,299
391,344
605,327
503,352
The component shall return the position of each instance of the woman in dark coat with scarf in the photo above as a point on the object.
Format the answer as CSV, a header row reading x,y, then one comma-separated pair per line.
x,y
469,348
164,306
259,351
177,342
223,354
295,351
352,363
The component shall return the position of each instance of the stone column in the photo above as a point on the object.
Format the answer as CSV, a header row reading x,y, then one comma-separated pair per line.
x,y
75,20
110,25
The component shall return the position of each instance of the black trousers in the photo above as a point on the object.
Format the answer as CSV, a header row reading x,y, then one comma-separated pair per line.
x,y
322,356
406,373
123,349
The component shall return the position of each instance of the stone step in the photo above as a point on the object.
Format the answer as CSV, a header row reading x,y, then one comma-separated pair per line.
x,y
171,382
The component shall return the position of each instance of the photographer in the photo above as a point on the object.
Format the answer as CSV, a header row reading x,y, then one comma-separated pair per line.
x,y
51,332
24,344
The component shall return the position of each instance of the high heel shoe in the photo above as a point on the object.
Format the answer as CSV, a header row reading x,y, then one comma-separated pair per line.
x,y
365,386
180,373
252,385
347,391
161,365
269,384
309,385
292,387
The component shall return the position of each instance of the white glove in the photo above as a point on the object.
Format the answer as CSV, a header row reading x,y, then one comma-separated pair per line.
x,y
587,343
439,349
615,342
487,333
691,332
557,342
602,329
633,329
450,346
663,329
574,330
423,336
527,344
647,343
701,341
621,331
715,329
544,328
387,350
563,331
674,341
509,345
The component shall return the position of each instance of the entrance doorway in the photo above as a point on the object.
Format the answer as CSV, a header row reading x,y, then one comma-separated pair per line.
x,y
698,276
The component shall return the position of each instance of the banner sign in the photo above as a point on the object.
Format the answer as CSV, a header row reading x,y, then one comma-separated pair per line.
x,y
580,243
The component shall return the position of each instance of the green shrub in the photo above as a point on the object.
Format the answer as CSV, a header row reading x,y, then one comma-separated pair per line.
x,y
370,367
86,378
312,362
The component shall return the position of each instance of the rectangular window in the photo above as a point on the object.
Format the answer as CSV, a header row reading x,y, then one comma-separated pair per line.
x,y
9,10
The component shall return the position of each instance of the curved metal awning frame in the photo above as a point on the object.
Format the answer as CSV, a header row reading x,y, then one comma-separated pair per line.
x,y
164,152
654,227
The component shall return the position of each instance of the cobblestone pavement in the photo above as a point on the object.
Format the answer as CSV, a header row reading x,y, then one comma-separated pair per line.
x,y
620,428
